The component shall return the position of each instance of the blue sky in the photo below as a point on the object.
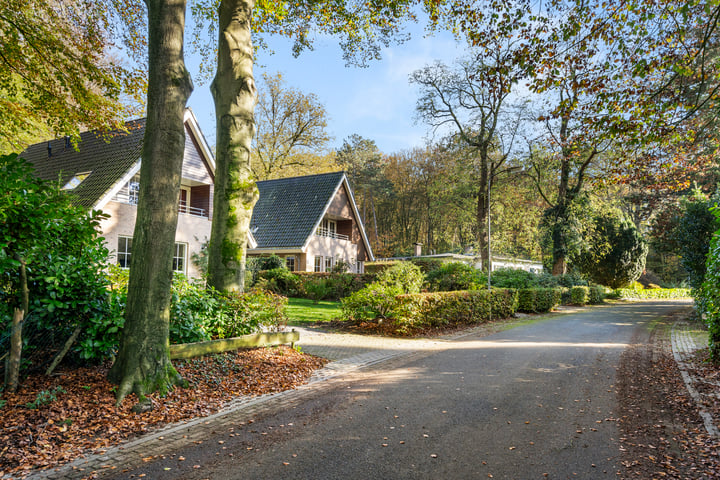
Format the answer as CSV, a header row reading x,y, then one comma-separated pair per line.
x,y
376,102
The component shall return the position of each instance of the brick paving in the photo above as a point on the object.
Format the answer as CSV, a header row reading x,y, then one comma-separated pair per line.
x,y
686,340
348,353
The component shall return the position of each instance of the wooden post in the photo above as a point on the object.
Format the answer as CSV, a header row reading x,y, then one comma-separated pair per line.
x,y
13,370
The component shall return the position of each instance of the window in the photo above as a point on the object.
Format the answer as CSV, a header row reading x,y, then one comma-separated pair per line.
x,y
327,228
179,257
76,180
328,264
123,251
290,262
318,264
133,187
184,200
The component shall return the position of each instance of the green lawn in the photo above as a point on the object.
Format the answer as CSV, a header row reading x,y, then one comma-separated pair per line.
x,y
302,310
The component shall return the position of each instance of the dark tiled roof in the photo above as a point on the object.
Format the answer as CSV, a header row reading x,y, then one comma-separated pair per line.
x,y
288,209
108,155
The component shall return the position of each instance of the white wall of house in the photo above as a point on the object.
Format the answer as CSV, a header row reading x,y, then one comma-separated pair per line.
x,y
333,248
191,230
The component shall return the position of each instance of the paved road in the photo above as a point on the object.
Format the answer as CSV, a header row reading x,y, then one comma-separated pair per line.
x,y
537,401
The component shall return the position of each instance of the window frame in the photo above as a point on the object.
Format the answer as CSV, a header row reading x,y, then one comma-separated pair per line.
x,y
177,259
125,253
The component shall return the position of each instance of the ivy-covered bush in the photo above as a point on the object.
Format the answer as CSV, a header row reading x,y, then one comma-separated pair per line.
x,y
452,276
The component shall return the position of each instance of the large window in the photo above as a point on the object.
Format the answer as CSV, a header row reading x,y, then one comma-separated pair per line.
x,y
290,262
123,251
179,257
318,264
328,264
327,228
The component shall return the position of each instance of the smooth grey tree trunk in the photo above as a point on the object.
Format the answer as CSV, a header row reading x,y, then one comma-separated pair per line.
x,y
143,363
235,97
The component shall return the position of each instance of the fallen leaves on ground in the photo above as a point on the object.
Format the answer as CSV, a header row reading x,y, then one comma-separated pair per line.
x,y
84,417
662,434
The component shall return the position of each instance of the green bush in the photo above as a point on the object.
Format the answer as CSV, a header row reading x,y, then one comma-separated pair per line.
x,y
246,313
427,265
280,280
653,293
708,295
339,285
403,275
538,300
317,288
596,294
452,276
579,295
377,300
432,310
513,278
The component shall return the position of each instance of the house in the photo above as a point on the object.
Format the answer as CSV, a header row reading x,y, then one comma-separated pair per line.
x,y
311,221
104,175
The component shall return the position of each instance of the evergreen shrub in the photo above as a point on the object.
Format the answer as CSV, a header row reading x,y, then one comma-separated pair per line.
x,y
452,276
580,295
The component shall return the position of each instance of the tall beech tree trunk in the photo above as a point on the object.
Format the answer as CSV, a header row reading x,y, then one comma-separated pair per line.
x,y
143,363
235,97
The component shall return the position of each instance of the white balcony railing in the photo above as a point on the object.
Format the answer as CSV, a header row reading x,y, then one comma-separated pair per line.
x,y
129,196
324,232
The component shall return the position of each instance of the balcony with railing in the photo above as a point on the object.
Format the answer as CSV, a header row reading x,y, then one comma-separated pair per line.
x,y
327,232
129,195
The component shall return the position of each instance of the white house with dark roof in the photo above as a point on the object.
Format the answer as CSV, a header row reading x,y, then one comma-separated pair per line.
x,y
311,221
103,173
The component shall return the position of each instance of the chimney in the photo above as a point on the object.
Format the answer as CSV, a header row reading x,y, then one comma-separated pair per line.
x,y
49,147
67,142
418,249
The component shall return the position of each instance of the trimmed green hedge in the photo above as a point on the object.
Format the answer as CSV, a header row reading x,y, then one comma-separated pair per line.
x,y
652,293
427,310
538,300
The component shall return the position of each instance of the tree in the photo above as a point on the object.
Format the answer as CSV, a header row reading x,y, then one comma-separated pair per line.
x,y
363,28
693,234
290,127
708,295
614,252
473,99
143,364
56,75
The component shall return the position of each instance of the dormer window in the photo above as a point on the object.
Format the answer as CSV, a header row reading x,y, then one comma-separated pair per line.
x,y
76,180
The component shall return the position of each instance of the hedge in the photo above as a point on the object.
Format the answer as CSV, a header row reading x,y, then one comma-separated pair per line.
x,y
652,293
538,300
423,310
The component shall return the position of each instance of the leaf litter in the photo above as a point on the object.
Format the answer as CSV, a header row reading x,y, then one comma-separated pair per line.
x,y
83,418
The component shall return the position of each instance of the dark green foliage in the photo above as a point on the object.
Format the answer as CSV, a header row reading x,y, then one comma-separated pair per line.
x,y
708,295
427,265
693,235
279,280
614,254
538,300
59,244
45,397
452,276
513,278
597,294
579,295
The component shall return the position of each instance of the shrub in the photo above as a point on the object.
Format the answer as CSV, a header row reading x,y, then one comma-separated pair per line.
x,y
513,278
279,280
246,313
403,275
192,309
427,265
652,293
579,295
596,294
431,310
339,285
317,288
452,276
375,300
538,300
